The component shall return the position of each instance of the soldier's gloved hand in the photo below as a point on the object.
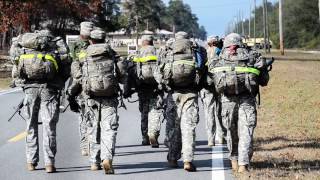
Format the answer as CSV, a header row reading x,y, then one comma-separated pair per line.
x,y
74,106
127,94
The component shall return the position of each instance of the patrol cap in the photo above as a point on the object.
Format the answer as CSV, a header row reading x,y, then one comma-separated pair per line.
x,y
182,35
212,39
98,34
169,42
86,27
232,39
147,38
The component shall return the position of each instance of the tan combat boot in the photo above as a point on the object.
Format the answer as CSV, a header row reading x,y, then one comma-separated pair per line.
x,y
107,166
95,167
173,163
243,169
189,166
234,165
31,166
84,152
154,141
50,169
211,144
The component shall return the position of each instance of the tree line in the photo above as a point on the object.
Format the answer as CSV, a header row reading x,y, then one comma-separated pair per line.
x,y
63,16
300,21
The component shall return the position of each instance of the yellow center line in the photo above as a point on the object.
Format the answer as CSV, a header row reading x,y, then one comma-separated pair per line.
x,y
18,137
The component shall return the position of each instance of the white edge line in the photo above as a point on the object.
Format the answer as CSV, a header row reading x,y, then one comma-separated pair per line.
x,y
218,169
9,91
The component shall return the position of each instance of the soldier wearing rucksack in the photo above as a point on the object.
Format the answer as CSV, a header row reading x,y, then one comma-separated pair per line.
x,y
213,127
179,74
235,76
42,65
77,104
99,85
150,99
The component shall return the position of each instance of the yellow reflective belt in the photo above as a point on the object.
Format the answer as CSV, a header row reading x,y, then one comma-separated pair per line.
x,y
145,59
190,63
40,56
82,55
238,69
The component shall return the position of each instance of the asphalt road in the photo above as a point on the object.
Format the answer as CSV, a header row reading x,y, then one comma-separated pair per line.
x,y
132,161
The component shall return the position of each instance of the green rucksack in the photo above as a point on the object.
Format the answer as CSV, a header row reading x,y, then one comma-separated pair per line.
x,y
34,63
180,68
98,71
233,75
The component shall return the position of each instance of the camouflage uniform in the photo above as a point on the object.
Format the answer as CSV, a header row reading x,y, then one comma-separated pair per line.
x,y
75,51
238,110
182,111
182,115
102,114
104,118
213,127
239,117
42,99
150,102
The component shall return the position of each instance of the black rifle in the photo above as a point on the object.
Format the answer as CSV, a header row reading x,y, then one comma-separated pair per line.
x,y
17,110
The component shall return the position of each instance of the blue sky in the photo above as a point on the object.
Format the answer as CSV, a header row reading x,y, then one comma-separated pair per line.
x,y
215,15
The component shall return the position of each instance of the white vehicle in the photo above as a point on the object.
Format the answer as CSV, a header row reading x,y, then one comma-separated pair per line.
x,y
132,49
71,39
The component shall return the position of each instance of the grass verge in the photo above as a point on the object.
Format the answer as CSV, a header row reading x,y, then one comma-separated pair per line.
x,y
287,137
4,83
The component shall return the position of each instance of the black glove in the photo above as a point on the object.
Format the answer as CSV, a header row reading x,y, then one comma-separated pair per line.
x,y
74,106
127,94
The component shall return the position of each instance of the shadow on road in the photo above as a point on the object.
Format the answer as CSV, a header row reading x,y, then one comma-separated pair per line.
x,y
70,169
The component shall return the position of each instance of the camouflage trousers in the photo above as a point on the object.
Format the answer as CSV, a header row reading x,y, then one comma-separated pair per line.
x,y
84,125
239,117
214,130
104,120
182,115
43,103
152,113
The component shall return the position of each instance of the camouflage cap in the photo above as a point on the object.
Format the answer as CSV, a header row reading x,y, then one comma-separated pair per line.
x,y
169,42
212,39
86,27
98,34
232,39
147,38
182,35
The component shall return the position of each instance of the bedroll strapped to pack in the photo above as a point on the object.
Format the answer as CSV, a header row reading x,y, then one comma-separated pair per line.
x,y
34,41
234,76
99,72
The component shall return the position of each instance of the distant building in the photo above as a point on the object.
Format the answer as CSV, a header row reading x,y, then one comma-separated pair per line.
x,y
129,38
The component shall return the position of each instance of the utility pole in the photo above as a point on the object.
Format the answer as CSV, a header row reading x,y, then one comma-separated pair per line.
x,y
319,11
264,27
254,24
267,22
249,34
242,27
137,29
281,27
